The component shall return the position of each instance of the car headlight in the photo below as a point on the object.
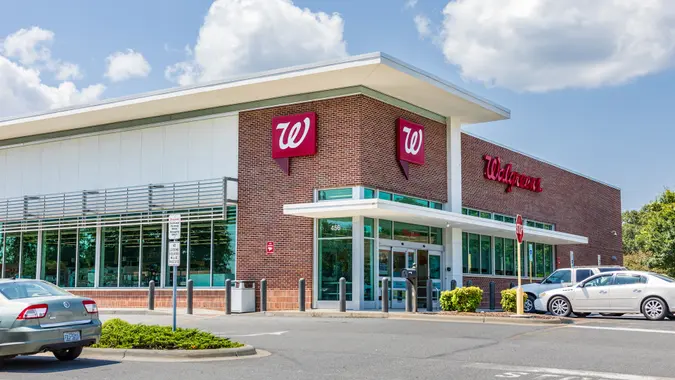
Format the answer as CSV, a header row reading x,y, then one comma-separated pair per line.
x,y
542,295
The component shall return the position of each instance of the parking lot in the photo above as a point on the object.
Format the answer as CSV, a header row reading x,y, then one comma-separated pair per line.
x,y
311,348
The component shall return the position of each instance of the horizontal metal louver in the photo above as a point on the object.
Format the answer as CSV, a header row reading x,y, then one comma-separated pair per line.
x,y
195,200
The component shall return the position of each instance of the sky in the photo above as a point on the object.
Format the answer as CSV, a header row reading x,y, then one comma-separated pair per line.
x,y
590,85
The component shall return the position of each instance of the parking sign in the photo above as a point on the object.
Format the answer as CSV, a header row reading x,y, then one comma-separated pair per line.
x,y
174,253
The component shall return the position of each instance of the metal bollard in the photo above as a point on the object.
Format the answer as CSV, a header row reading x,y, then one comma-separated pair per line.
x,y
343,294
408,297
151,295
453,284
263,295
469,283
190,289
512,285
492,295
228,296
385,295
301,294
430,295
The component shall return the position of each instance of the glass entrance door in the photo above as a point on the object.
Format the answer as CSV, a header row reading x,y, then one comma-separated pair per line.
x,y
422,277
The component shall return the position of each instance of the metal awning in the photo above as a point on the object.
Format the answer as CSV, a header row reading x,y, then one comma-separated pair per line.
x,y
402,212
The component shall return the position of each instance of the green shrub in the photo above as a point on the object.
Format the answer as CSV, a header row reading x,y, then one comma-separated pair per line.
x,y
509,300
467,298
120,334
446,300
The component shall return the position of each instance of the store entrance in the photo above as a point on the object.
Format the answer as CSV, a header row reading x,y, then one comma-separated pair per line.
x,y
393,261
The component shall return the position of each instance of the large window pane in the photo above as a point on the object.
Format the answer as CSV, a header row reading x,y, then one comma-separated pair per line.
x,y
86,272
335,194
224,238
151,251
200,253
335,227
435,267
29,255
474,253
499,256
385,255
465,252
485,254
510,257
12,254
368,227
335,261
436,235
411,200
411,232
368,270
384,229
131,244
182,268
539,260
110,245
50,251
67,261
399,263
548,259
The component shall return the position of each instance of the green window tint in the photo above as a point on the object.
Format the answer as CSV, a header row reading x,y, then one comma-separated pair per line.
x,y
12,254
436,205
336,227
526,246
435,267
539,260
50,254
29,255
548,227
384,195
68,249
411,232
499,256
485,254
530,223
335,194
368,193
86,264
509,257
548,259
110,245
465,211
509,219
224,240
385,258
200,253
368,227
182,268
485,215
335,261
368,270
410,200
151,254
465,253
131,244
499,217
385,229
473,212
474,253
539,225
436,235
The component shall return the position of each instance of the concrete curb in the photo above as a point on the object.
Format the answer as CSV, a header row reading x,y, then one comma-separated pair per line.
x,y
418,316
122,354
197,312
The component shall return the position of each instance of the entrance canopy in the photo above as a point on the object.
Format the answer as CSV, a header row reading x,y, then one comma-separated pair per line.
x,y
402,212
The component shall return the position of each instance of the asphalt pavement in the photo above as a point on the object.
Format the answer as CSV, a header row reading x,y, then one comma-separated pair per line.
x,y
328,348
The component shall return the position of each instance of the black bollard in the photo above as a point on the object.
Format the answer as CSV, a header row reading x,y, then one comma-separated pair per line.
x,y
301,294
263,295
430,295
408,297
151,295
190,289
469,283
492,295
343,294
228,296
385,295
453,284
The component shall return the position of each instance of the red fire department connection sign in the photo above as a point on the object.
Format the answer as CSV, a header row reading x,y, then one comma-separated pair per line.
x,y
410,142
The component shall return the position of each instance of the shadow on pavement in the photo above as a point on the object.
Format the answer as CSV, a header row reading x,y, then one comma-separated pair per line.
x,y
46,364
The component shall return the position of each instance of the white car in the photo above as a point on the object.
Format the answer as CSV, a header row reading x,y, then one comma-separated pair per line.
x,y
560,279
613,293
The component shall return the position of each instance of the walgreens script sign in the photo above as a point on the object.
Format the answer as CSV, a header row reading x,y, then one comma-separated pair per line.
x,y
293,136
495,172
411,139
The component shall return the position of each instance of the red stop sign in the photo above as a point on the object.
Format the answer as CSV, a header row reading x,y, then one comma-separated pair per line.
x,y
519,228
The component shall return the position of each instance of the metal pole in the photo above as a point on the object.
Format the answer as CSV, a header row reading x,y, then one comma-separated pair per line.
x,y
151,295
408,296
175,280
519,292
228,296
263,295
190,288
343,294
430,295
453,284
385,295
301,294
492,295
414,297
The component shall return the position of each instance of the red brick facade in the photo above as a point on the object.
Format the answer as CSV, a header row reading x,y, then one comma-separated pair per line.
x,y
202,298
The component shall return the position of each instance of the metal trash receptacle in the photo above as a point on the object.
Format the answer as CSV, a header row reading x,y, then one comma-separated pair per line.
x,y
243,296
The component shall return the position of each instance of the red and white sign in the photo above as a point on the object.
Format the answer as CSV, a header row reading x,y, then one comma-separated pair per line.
x,y
519,228
493,171
294,135
410,144
270,248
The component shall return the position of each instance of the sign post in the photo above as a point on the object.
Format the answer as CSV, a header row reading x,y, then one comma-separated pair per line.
x,y
572,259
174,256
519,292
531,259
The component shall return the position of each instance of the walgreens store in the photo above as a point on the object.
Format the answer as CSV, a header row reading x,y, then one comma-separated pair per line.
x,y
355,168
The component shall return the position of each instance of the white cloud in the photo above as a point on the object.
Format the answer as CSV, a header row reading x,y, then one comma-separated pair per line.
x,y
240,36
21,87
410,3
543,45
423,25
125,65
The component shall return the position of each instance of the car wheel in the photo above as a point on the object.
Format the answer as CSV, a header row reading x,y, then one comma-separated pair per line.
x,y
671,317
528,305
654,309
69,354
560,307
611,314
582,315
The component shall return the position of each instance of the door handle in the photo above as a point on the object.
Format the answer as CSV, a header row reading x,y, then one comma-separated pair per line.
x,y
603,292
637,291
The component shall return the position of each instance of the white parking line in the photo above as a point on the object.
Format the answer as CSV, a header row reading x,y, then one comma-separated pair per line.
x,y
621,329
277,333
517,371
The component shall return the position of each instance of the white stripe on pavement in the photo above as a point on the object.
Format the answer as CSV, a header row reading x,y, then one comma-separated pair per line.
x,y
622,329
564,372
277,333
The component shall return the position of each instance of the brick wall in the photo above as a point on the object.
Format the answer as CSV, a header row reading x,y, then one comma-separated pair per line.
x,y
201,299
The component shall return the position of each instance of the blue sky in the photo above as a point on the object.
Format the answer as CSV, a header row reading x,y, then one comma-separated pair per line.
x,y
576,99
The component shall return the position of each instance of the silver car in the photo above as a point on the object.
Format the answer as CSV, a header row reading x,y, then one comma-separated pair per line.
x,y
36,316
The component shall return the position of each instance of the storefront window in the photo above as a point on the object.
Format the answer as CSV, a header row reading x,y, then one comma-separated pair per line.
x,y
12,254
411,232
68,251
436,235
499,256
86,272
465,253
368,227
435,267
385,255
335,194
110,244
336,227
509,257
131,250
29,254
50,251
474,253
485,254
224,239
368,193
368,270
539,260
335,257
200,253
151,251
385,229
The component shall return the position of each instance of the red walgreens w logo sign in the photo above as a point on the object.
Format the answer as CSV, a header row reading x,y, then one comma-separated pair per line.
x,y
411,139
293,136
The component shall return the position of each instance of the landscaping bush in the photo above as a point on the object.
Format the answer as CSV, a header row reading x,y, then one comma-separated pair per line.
x,y
446,300
509,299
120,334
467,298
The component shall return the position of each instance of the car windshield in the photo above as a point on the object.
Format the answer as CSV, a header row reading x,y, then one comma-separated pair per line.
x,y
14,290
663,277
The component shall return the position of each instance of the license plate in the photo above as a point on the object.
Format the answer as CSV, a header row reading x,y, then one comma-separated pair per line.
x,y
71,336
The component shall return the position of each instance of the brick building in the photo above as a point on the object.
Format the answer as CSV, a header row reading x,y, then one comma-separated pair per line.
x,y
355,168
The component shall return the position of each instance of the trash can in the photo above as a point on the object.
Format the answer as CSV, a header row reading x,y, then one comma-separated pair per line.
x,y
243,297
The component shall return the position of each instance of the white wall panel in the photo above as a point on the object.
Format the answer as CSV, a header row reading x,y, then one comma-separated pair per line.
x,y
183,151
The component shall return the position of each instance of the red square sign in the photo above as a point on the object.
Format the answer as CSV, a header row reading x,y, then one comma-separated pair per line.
x,y
270,248
294,135
410,138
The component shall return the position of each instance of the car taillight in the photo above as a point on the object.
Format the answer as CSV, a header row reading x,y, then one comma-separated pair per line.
x,y
34,312
90,306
